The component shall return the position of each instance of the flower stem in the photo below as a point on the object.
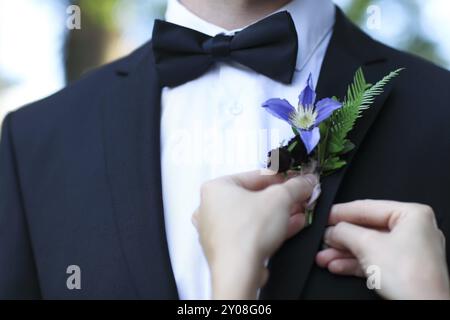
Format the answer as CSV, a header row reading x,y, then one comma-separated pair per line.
x,y
292,146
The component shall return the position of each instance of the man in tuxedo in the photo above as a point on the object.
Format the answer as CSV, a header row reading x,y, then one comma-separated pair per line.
x,y
105,174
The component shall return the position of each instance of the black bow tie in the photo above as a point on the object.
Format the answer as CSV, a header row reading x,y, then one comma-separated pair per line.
x,y
268,47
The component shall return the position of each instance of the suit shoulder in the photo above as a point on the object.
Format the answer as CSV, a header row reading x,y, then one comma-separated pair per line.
x,y
418,69
421,90
77,94
422,85
73,104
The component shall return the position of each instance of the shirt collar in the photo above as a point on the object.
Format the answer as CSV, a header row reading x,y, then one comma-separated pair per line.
x,y
313,19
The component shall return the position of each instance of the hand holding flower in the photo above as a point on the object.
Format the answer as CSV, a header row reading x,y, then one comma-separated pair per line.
x,y
242,220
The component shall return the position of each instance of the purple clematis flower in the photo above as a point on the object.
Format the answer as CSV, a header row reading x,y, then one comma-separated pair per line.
x,y
307,117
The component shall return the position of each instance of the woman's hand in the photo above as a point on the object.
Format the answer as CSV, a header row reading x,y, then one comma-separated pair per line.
x,y
402,239
242,220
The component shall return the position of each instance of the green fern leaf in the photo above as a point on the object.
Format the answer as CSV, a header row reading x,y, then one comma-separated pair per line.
x,y
377,89
360,96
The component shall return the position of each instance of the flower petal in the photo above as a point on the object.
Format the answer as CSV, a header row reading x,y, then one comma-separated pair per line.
x,y
325,108
310,138
308,95
279,108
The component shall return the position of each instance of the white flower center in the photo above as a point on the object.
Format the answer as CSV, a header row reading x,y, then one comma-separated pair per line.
x,y
305,117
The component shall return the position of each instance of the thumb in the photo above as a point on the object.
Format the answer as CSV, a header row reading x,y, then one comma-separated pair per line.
x,y
347,236
300,188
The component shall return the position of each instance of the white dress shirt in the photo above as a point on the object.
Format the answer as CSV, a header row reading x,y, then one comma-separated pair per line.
x,y
215,125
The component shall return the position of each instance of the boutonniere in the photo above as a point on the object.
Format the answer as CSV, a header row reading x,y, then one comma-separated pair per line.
x,y
320,128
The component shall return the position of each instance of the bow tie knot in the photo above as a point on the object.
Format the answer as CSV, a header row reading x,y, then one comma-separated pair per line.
x,y
268,47
219,47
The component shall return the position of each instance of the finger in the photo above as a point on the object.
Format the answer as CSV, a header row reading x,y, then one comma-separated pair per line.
x,y
324,257
346,236
346,267
256,181
297,208
369,213
296,224
298,189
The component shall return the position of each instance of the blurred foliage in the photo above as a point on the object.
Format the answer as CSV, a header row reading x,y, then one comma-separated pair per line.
x,y
414,41
99,12
356,11
88,47
93,45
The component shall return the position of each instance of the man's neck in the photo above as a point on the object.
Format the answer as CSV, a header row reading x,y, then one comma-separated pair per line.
x,y
233,14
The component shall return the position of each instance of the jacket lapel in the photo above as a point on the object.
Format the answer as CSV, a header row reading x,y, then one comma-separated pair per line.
x,y
131,122
349,49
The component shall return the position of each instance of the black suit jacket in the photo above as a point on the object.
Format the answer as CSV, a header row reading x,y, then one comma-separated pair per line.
x,y
80,179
